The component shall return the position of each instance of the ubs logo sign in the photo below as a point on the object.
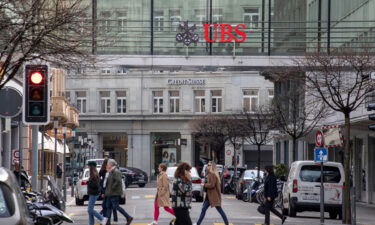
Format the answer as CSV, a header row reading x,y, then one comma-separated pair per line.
x,y
221,33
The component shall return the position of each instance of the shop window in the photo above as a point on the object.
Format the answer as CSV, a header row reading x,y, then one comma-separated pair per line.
x,y
81,101
158,101
174,101
105,102
200,101
121,101
250,100
217,101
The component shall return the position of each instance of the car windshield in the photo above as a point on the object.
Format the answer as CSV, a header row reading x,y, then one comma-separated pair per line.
x,y
251,174
311,173
4,208
172,170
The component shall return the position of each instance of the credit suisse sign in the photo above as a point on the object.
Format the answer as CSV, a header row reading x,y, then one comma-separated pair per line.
x,y
186,82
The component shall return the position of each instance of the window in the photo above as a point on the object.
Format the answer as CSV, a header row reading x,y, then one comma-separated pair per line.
x,y
312,174
121,21
217,101
200,101
251,17
200,15
271,94
67,95
158,101
159,20
175,18
250,100
121,101
106,71
105,21
174,101
81,101
105,102
217,16
122,71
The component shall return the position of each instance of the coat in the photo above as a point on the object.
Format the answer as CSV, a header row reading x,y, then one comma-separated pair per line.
x,y
163,192
93,186
213,190
270,186
114,183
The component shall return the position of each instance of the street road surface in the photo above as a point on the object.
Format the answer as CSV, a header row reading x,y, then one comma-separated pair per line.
x,y
140,206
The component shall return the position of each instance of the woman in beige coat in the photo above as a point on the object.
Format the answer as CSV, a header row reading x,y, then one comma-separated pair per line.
x,y
213,196
163,194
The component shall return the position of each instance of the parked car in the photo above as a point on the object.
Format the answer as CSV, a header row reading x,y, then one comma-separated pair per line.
x,y
80,189
134,176
246,179
227,176
99,162
301,191
13,210
198,192
219,169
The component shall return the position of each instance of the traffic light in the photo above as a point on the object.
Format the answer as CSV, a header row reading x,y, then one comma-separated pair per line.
x,y
36,95
370,107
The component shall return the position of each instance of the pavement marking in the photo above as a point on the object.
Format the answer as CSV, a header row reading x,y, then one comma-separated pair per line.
x,y
230,197
222,224
149,196
71,214
136,197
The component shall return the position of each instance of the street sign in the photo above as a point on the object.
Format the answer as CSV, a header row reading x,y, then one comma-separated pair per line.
x,y
319,138
15,155
320,155
11,102
229,152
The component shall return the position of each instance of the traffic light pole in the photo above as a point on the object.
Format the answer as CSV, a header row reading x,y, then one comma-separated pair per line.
x,y
35,158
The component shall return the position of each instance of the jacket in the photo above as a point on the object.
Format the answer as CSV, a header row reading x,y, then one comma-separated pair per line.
x,y
270,186
163,193
93,186
102,174
182,194
114,183
213,190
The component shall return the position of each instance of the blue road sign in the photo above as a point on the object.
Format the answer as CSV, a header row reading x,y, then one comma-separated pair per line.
x,y
321,155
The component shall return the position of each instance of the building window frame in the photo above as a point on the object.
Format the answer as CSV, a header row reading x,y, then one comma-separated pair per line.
x,y
216,102
199,102
251,21
174,102
81,102
121,103
157,102
105,103
251,98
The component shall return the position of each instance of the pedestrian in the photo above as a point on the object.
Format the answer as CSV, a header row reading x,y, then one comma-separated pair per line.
x,y
93,190
102,174
163,194
59,173
113,191
21,175
182,194
270,193
213,195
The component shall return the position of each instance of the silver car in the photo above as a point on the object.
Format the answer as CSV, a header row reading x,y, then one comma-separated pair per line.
x,y
198,192
13,209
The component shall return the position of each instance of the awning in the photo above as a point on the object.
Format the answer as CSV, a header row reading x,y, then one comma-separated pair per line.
x,y
49,144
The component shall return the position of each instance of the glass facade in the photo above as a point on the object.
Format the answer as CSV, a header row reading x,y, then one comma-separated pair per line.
x,y
272,27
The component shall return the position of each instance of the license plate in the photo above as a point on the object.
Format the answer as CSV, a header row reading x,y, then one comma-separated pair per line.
x,y
310,197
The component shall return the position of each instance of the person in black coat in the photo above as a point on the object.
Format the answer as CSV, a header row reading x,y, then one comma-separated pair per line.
x,y
270,193
102,174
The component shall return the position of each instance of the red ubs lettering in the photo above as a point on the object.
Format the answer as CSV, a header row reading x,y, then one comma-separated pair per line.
x,y
226,32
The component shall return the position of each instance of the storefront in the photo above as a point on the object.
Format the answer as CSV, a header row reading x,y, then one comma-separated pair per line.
x,y
116,147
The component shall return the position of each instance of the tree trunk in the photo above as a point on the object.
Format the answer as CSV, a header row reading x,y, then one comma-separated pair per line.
x,y
259,161
347,218
294,150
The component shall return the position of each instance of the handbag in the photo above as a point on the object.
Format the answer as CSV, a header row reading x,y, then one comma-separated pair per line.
x,y
261,209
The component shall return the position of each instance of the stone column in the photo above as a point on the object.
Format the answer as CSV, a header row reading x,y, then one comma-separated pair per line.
x,y
187,151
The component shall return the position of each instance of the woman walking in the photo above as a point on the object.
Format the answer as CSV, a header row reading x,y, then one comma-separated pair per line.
x,y
162,195
102,174
270,193
93,190
182,194
213,196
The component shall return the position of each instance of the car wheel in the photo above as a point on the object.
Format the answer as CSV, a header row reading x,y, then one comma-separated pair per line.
x,y
245,197
123,201
333,215
291,210
141,185
79,202
199,199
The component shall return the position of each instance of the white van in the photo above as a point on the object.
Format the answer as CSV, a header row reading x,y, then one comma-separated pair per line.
x,y
301,191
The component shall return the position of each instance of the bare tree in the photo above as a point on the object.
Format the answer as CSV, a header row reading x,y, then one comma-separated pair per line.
x,y
210,131
257,126
295,114
342,82
43,30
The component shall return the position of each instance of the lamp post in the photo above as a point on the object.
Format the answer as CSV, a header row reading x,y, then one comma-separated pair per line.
x,y
64,160
55,126
89,145
85,147
80,140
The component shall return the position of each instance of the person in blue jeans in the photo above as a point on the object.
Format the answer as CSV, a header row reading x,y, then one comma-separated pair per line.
x,y
213,196
113,191
102,174
93,190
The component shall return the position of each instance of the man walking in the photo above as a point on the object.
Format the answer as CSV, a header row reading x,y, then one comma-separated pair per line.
x,y
113,191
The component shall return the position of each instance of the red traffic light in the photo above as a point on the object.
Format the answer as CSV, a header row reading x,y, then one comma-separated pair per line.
x,y
36,78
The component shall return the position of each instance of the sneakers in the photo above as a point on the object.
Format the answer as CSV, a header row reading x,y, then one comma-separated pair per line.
x,y
104,221
129,221
154,223
283,220
172,221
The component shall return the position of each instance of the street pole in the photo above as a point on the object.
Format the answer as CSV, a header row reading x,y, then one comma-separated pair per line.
x,y
64,160
321,194
55,126
20,144
35,158
43,163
